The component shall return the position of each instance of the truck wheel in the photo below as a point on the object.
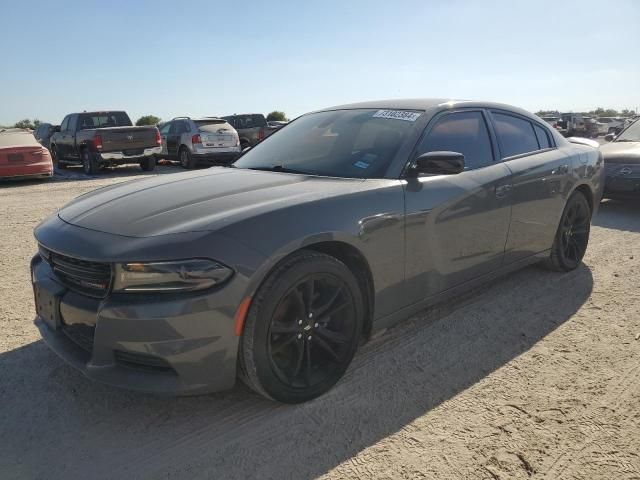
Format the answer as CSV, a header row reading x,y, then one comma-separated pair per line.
x,y
56,158
148,164
186,159
89,162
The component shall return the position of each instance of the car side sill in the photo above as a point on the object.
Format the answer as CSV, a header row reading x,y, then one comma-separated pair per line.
x,y
459,290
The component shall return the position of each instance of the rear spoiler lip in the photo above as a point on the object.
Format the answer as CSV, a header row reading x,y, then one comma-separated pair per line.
x,y
584,141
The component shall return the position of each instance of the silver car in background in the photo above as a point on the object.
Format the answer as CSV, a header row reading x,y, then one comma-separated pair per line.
x,y
194,141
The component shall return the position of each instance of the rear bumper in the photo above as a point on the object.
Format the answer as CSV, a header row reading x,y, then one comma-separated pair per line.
x,y
15,172
118,156
172,346
224,158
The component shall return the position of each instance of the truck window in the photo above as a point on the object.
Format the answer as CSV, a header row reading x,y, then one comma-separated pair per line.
x,y
73,122
104,120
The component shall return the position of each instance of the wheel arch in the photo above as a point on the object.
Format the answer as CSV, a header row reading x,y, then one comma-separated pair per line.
x,y
585,190
357,263
345,252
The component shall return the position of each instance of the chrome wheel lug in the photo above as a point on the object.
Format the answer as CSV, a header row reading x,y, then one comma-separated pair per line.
x,y
299,322
299,336
309,337
310,315
316,325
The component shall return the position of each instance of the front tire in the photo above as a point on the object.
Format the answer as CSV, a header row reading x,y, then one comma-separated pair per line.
x,y
90,164
302,329
572,237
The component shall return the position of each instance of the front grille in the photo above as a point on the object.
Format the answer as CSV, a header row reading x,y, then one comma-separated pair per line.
x,y
90,278
622,170
81,335
143,362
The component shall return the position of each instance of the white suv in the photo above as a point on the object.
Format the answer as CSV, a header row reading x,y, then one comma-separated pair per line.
x,y
199,140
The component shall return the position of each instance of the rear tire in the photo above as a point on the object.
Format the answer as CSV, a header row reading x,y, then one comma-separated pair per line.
x,y
148,164
572,236
302,329
186,159
90,164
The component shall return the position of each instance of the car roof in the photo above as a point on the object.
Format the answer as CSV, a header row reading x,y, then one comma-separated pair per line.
x,y
97,112
425,104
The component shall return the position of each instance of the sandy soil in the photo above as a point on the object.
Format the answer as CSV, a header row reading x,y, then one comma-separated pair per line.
x,y
535,376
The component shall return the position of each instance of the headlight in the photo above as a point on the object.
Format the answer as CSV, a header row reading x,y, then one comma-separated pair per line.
x,y
179,276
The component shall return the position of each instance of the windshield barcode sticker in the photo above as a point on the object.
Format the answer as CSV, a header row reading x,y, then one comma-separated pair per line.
x,y
397,115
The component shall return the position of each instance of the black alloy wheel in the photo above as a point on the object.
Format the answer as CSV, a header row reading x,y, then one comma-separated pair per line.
x,y
310,331
572,237
575,231
302,329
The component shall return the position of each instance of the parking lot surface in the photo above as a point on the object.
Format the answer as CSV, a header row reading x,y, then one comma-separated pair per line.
x,y
534,376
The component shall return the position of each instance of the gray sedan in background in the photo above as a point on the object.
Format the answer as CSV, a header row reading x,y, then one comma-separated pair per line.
x,y
344,222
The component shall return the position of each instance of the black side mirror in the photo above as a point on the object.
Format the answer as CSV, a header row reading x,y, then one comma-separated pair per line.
x,y
438,163
609,137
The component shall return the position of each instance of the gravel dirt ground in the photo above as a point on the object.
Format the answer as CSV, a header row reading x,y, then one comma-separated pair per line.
x,y
534,376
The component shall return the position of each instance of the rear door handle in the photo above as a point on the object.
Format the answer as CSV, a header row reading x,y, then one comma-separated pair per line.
x,y
502,190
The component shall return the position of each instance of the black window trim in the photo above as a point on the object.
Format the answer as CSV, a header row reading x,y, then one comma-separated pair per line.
x,y
552,141
65,119
435,119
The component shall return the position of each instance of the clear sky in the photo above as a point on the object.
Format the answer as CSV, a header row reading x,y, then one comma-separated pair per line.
x,y
171,58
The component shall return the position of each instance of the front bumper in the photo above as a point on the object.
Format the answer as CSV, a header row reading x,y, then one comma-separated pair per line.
x,y
177,345
118,156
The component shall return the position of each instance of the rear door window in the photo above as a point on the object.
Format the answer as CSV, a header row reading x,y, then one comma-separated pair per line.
x,y
516,135
462,132
64,124
543,137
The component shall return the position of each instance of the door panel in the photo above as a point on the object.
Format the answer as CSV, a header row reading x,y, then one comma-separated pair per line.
x,y
456,228
539,181
172,140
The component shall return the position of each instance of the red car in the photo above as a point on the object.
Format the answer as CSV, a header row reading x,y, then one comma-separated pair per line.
x,y
21,156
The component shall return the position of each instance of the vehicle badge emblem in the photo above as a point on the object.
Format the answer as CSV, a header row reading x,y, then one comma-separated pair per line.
x,y
625,171
130,138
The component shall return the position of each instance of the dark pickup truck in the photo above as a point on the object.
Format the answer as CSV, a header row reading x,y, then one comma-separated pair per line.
x,y
96,139
252,128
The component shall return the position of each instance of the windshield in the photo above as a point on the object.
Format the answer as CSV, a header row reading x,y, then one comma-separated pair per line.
x,y
631,134
342,143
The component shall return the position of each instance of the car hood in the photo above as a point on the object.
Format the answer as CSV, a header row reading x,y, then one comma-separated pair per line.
x,y
621,152
204,200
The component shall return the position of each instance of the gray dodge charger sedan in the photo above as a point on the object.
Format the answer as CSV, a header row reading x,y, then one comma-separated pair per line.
x,y
343,222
